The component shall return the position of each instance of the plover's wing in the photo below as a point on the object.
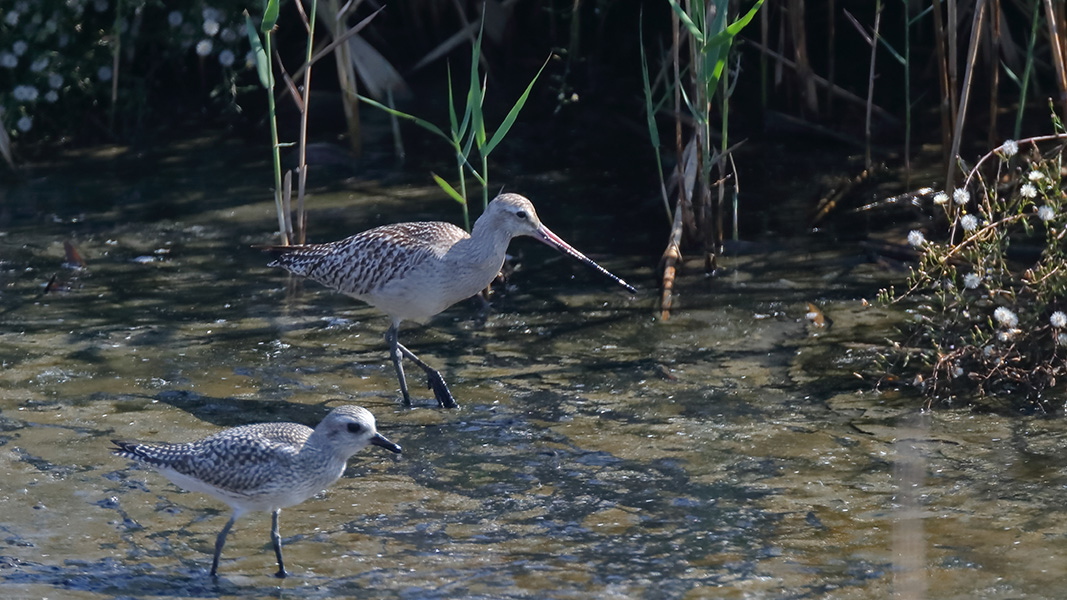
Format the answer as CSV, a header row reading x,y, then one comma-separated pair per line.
x,y
239,460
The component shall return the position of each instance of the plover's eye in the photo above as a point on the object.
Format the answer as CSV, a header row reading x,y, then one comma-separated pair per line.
x,y
355,428
521,214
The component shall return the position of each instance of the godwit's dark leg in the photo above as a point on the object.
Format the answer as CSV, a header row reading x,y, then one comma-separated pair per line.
x,y
276,539
434,379
219,543
396,355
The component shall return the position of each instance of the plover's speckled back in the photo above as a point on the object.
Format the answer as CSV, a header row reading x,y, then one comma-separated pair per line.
x,y
267,466
412,271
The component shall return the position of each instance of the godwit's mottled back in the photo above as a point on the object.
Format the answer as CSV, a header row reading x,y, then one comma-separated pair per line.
x,y
266,466
412,271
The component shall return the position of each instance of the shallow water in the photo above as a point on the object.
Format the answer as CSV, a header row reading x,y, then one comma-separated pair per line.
x,y
732,451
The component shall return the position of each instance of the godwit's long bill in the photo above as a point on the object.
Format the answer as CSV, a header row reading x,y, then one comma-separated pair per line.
x,y
545,236
413,271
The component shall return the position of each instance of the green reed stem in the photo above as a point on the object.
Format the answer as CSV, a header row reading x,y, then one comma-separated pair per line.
x,y
301,227
1025,83
275,148
907,91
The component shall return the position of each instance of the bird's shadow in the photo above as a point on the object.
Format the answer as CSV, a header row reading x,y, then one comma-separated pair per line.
x,y
111,577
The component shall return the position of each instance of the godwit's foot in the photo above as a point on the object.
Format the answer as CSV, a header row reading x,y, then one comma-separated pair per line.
x,y
435,382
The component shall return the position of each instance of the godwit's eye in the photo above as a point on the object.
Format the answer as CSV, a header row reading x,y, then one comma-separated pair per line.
x,y
355,428
521,214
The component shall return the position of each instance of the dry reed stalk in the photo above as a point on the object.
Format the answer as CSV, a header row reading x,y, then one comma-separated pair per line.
x,y
5,149
671,257
115,72
831,34
290,85
995,33
287,205
870,85
1054,20
764,32
948,106
346,75
952,42
301,103
337,41
800,54
309,27
1061,28
700,202
684,198
779,73
687,181
697,209
965,94
835,90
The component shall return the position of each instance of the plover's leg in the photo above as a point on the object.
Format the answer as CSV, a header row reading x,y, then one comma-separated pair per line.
x,y
276,539
220,542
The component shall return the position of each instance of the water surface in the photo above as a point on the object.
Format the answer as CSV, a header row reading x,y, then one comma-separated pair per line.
x,y
731,451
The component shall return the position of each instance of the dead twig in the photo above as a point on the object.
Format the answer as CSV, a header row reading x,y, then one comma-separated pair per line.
x,y
672,256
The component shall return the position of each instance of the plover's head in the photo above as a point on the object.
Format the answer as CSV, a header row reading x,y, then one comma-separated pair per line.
x,y
351,429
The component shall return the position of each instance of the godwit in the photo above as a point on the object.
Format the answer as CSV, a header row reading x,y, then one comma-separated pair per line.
x,y
268,466
412,271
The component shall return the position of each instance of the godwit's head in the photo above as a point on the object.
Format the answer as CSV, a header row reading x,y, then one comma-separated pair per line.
x,y
514,215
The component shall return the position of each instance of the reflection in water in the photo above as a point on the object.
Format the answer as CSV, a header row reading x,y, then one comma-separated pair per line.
x,y
728,452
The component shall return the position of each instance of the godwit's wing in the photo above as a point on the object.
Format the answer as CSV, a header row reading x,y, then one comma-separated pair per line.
x,y
361,264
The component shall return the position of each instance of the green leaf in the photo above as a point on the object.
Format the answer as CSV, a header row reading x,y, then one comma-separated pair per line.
x,y
474,93
736,27
262,65
456,134
270,15
513,114
1011,74
650,113
694,31
428,126
717,50
474,105
919,16
468,145
714,62
465,123
892,51
447,187
650,109
699,116
727,35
